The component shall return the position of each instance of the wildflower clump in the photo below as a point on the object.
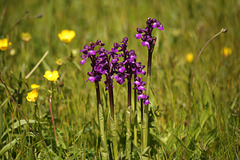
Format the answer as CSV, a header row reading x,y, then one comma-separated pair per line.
x,y
51,76
32,96
118,63
4,44
66,35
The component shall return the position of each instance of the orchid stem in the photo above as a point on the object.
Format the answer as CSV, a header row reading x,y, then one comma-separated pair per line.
x,y
135,116
145,108
103,148
113,121
128,122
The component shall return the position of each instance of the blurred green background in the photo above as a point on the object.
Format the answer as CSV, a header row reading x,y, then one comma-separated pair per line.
x,y
188,25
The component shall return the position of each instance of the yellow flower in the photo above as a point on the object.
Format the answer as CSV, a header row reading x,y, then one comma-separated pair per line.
x,y
4,44
189,57
227,51
35,86
32,96
26,36
51,76
66,35
59,61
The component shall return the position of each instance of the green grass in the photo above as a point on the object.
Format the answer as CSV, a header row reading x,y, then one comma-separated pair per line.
x,y
203,126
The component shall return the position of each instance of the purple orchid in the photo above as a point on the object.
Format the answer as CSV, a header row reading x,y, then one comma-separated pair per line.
x,y
140,88
149,41
146,34
88,52
118,63
129,63
129,67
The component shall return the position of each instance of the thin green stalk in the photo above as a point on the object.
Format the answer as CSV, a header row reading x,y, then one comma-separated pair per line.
x,y
3,15
70,57
135,116
141,122
128,122
145,128
35,114
104,147
145,108
50,105
3,61
104,150
22,18
1,124
114,137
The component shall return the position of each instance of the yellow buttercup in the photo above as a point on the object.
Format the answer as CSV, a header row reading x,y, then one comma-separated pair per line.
x,y
66,35
51,76
4,44
32,96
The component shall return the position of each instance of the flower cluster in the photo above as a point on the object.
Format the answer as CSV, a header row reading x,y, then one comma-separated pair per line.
x,y
97,69
118,63
140,88
146,34
128,66
33,95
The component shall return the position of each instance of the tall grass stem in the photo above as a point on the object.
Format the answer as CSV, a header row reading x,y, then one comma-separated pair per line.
x,y
35,67
223,30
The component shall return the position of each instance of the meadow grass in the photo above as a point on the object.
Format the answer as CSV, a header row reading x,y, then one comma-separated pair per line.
x,y
202,123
